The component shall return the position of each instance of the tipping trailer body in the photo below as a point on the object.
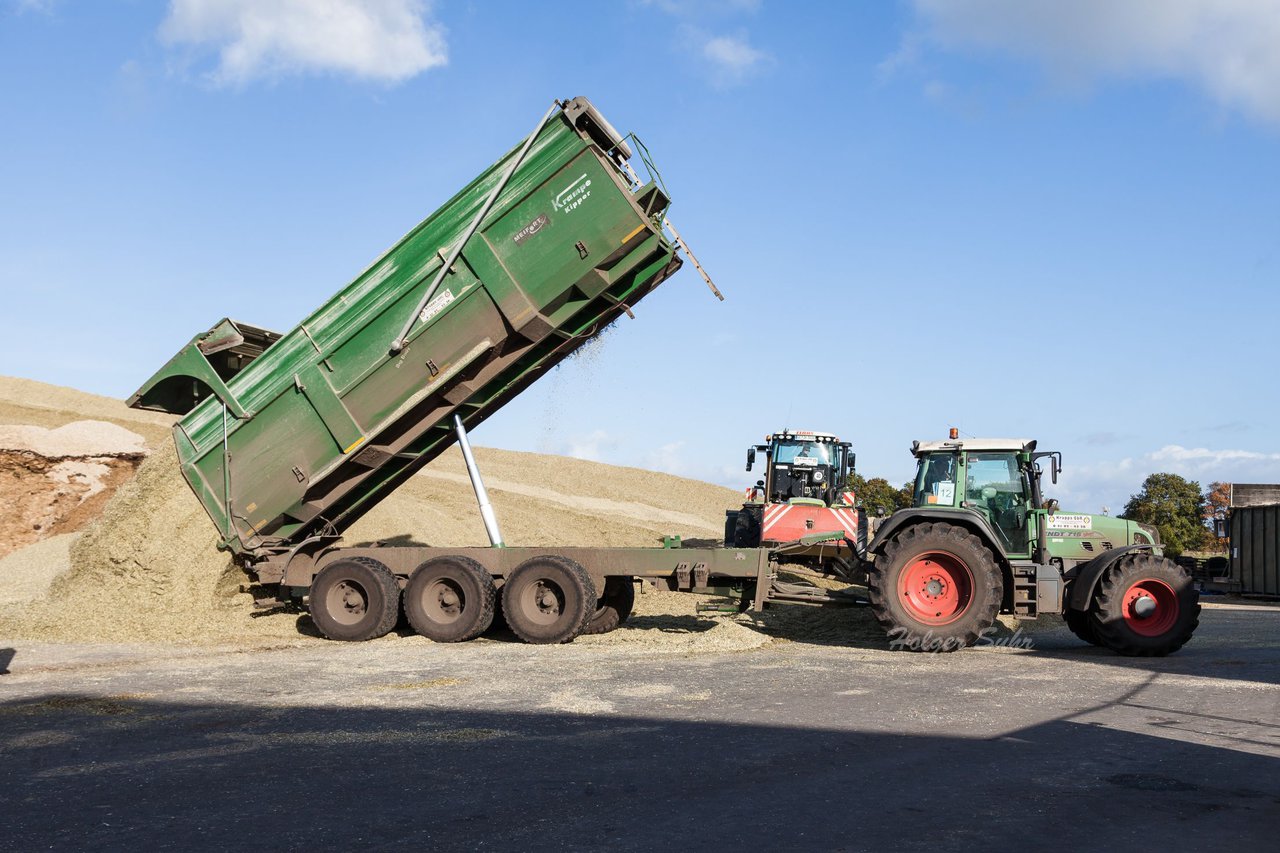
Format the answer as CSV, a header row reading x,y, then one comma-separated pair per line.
x,y
287,439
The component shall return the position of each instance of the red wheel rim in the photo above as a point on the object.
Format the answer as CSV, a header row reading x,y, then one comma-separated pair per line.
x,y
936,588
1150,607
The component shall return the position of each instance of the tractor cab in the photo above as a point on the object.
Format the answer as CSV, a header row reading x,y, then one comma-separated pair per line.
x,y
803,465
996,478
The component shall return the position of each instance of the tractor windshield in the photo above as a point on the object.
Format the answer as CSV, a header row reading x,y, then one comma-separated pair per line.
x,y
802,453
936,480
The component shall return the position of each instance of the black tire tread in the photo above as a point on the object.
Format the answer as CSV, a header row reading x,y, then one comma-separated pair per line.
x,y
585,590
483,617
916,538
387,587
614,606
1081,624
1114,635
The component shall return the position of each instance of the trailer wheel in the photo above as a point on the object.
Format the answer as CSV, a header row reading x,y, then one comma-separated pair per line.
x,y
548,599
614,606
936,588
1081,624
1145,606
355,598
450,599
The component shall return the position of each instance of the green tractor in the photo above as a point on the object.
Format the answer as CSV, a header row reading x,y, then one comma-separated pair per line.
x,y
981,539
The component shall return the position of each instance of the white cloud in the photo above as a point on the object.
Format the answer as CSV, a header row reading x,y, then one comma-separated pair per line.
x,y
591,446
1228,48
385,40
44,7
1089,486
667,459
732,57
702,8
1202,457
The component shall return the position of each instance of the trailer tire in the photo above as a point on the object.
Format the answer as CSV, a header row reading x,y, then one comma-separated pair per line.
x,y
614,606
548,599
1145,606
1081,624
936,588
450,599
354,598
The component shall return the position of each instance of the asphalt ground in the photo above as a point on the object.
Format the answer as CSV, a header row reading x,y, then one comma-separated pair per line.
x,y
494,745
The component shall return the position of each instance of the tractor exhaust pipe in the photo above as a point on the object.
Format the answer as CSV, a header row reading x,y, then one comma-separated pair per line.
x,y
482,497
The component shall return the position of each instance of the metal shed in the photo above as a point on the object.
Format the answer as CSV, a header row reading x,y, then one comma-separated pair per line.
x,y
1255,549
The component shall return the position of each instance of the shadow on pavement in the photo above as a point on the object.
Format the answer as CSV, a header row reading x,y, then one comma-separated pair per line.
x,y
116,772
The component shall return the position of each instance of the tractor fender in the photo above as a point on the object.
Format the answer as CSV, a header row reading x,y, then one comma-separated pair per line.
x,y
906,517
1084,578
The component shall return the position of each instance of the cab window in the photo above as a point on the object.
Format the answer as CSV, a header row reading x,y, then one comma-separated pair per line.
x,y
936,482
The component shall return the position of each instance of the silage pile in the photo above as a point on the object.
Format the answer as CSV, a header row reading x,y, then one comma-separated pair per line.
x,y
147,570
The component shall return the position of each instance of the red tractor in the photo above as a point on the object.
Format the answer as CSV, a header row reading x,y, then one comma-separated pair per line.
x,y
804,491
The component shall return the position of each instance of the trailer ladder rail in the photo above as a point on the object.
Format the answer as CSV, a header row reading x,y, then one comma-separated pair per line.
x,y
679,242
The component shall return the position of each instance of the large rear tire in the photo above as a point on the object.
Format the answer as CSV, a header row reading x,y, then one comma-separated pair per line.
x,y
450,599
614,606
548,599
936,588
354,598
1145,606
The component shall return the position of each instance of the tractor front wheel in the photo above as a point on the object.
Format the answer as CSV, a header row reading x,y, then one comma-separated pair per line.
x,y
936,588
748,527
1081,624
1145,606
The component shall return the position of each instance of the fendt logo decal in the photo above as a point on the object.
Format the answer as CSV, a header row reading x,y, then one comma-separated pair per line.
x,y
573,195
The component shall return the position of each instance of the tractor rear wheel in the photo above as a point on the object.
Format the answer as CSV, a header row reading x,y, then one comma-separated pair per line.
x,y
1145,606
936,588
548,599
1081,624
450,599
614,606
355,598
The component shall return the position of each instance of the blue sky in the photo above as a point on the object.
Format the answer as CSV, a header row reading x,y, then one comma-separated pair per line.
x,y
1017,217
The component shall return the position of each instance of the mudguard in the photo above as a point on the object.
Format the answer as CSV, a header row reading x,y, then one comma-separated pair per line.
x,y
904,517
1084,578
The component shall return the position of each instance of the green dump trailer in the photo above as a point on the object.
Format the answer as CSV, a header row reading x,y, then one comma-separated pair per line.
x,y
287,439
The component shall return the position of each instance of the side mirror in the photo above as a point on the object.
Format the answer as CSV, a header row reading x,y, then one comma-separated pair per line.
x,y
1053,469
1220,528
751,457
